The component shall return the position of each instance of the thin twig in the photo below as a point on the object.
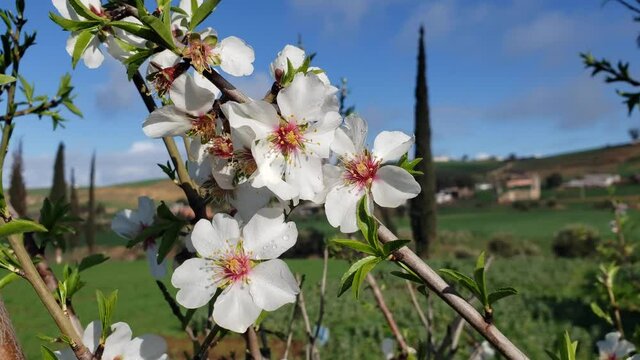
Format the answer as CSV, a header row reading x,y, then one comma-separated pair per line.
x,y
323,290
253,346
294,311
384,309
207,343
416,305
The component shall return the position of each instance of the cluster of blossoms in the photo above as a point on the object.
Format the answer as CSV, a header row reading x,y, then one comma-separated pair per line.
x,y
259,158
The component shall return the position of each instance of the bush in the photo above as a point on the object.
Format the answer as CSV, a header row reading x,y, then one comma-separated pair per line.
x,y
502,244
553,181
576,240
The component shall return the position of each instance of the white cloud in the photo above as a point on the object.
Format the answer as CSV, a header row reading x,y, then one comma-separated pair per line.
x,y
117,93
548,32
339,15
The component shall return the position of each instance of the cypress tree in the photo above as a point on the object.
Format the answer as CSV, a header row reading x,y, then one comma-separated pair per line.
x,y
90,225
59,186
74,202
423,207
17,188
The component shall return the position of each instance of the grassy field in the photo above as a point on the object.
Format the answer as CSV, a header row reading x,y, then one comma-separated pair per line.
x,y
554,293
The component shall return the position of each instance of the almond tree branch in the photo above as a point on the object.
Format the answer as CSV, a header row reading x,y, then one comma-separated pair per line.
x,y
323,290
32,109
9,345
455,301
253,346
384,309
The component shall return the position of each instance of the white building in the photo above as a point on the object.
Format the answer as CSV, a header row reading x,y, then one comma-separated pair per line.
x,y
594,180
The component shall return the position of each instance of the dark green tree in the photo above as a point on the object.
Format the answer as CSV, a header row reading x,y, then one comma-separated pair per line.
x,y
17,188
423,206
59,186
74,210
90,225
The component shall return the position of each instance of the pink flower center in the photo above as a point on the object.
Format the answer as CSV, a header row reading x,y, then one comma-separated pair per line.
x,y
162,78
235,267
200,53
97,11
246,163
361,170
288,138
222,147
205,126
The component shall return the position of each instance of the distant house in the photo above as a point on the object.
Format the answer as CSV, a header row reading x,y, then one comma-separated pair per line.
x,y
441,159
594,180
483,186
519,187
453,193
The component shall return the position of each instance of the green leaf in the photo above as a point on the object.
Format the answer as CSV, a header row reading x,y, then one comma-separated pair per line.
x,y
347,277
47,354
463,280
597,310
83,11
394,245
27,89
361,274
202,12
356,245
8,279
501,293
6,79
136,60
163,32
139,30
19,226
408,276
409,166
481,280
83,40
106,306
72,25
71,107
168,239
91,261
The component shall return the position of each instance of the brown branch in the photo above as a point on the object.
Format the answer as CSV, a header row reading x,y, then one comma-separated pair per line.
x,y
207,343
32,109
417,307
253,346
293,316
225,87
323,289
307,324
384,309
9,344
455,301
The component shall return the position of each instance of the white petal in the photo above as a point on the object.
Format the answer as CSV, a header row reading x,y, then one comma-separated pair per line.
x,y
260,116
624,348
236,57
393,186
92,55
331,177
166,121
321,75
351,137
146,210
186,6
162,60
305,100
116,50
340,207
146,347
225,226
190,97
248,200
116,342
267,236
305,175
91,336
391,145
206,239
126,224
272,285
200,172
321,134
235,309
295,55
203,82
271,167
158,271
65,9
194,280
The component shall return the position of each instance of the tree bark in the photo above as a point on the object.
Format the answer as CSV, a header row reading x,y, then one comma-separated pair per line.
x,y
9,344
423,207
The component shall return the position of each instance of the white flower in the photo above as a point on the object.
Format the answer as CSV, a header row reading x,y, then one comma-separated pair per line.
x,y
296,57
232,54
193,98
119,344
117,41
162,70
388,347
129,223
241,262
361,172
290,146
613,347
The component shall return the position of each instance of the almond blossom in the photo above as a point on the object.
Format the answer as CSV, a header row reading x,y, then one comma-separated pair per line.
x,y
163,70
193,98
295,56
362,172
613,347
290,145
232,54
130,223
119,345
243,264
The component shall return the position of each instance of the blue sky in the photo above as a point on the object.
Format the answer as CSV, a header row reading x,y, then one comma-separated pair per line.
x,y
504,76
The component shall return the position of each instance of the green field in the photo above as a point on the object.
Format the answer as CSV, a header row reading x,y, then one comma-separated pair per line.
x,y
554,293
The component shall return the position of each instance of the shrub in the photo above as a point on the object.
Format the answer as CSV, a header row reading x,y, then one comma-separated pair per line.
x,y
576,240
502,244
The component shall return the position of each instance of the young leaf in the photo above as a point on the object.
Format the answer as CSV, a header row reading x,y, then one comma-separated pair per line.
x,y
361,274
72,107
463,280
481,280
597,310
168,239
137,29
106,306
408,276
392,246
6,79
27,89
8,279
202,12
47,354
501,294
83,11
355,245
19,226
82,41
347,277
72,25
163,32
91,261
409,166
